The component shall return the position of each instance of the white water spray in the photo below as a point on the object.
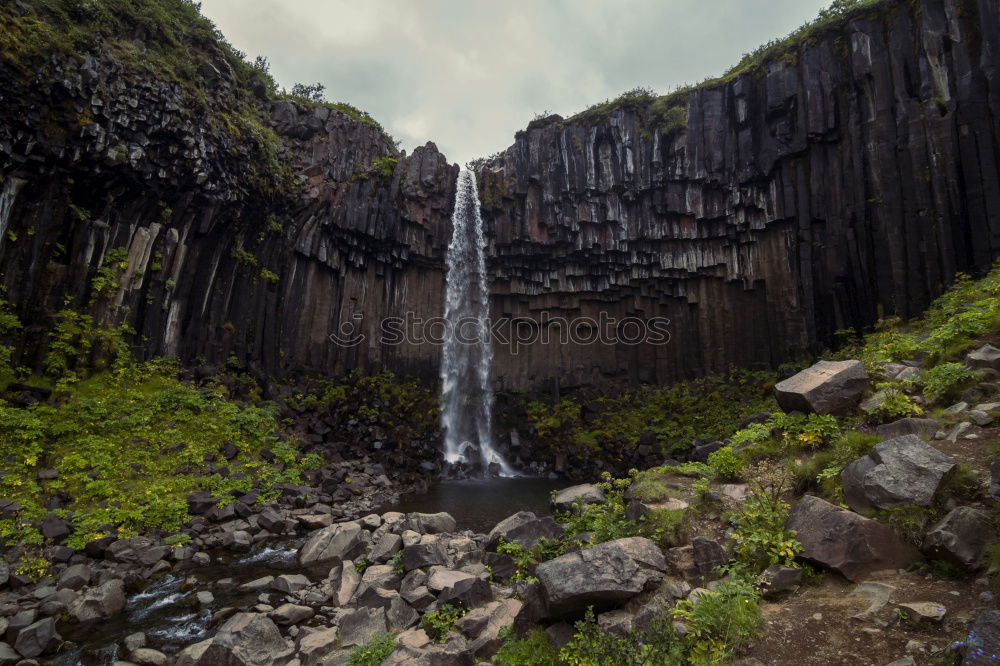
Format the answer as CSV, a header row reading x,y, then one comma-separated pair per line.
x,y
467,357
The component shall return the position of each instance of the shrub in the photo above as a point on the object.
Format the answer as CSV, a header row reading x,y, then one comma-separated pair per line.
x,y
726,463
895,404
374,651
594,646
759,532
721,622
944,381
438,623
535,649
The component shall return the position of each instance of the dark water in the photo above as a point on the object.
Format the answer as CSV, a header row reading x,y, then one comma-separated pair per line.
x,y
479,505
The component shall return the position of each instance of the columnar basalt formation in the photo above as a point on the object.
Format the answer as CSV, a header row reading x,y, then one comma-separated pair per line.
x,y
850,179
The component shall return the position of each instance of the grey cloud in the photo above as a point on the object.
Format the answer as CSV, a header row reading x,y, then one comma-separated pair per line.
x,y
468,74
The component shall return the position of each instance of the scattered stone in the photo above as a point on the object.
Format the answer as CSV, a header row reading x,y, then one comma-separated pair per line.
x,y
919,611
960,537
958,431
878,594
957,408
290,583
258,584
430,551
980,418
922,428
586,493
387,546
204,598
828,387
246,639
75,577
134,641
148,657
848,543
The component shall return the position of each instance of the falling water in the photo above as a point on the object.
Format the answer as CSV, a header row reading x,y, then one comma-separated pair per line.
x,y
7,196
467,357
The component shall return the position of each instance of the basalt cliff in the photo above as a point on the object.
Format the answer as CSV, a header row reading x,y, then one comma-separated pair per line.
x,y
848,179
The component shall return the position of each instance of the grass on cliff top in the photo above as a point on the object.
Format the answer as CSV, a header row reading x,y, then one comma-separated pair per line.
x,y
646,101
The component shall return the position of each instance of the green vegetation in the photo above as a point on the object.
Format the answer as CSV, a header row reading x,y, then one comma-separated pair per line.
x,y
374,651
671,416
109,273
759,535
722,622
361,563
438,623
243,257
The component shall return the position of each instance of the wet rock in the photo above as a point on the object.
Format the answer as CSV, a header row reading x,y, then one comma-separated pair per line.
x,y
99,603
898,472
37,639
358,626
843,541
585,493
601,576
525,529
828,387
344,541
960,537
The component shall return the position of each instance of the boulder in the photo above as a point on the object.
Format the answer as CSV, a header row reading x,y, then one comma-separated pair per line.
x,y
698,561
525,529
137,550
429,551
922,428
147,657
458,587
75,577
387,545
899,472
482,626
586,493
848,543
701,452
779,578
343,541
8,657
400,615
430,523
315,646
603,576
828,387
290,583
358,626
288,614
960,537
246,639
986,357
37,639
99,603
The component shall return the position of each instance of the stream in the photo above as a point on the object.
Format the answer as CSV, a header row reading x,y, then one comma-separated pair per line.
x,y
167,610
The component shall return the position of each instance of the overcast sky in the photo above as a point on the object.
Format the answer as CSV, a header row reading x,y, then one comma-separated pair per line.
x,y
467,74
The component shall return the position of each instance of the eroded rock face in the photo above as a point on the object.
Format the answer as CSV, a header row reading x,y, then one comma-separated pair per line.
x,y
841,540
828,387
602,576
806,197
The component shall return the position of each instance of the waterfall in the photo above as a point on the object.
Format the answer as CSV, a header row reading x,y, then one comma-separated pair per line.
x,y
467,357
7,196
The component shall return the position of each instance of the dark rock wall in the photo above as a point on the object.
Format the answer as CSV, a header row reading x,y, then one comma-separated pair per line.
x,y
353,244
850,179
